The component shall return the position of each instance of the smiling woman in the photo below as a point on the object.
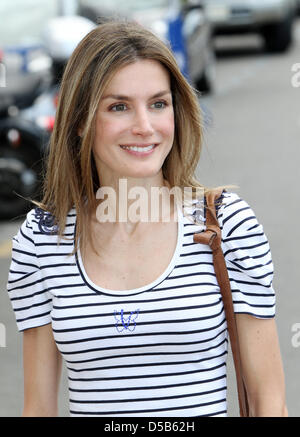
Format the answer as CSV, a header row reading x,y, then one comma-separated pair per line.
x,y
134,307
137,125
91,117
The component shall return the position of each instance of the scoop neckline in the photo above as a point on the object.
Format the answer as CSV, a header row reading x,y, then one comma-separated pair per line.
x,y
147,287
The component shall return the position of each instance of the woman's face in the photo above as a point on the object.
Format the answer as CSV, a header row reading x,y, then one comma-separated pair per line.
x,y
134,122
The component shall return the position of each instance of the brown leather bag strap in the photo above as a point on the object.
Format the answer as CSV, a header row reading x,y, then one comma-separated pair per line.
x,y
212,237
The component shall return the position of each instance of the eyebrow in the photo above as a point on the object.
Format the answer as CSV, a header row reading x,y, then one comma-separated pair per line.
x,y
127,98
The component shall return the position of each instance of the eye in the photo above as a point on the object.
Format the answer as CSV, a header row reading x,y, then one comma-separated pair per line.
x,y
119,107
161,104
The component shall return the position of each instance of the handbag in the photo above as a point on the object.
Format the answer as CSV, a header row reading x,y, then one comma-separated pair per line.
x,y
212,237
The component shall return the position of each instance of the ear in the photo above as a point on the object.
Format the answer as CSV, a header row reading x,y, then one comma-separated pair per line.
x,y
79,132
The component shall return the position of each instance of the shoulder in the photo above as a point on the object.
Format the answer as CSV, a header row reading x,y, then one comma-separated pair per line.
x,y
34,251
40,225
229,201
248,258
235,215
227,204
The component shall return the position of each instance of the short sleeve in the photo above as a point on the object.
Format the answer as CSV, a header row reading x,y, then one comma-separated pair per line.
x,y
248,258
31,302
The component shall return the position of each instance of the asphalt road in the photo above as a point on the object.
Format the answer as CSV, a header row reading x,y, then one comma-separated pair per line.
x,y
251,140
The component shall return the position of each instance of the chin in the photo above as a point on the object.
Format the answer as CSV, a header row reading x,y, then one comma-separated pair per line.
x,y
142,173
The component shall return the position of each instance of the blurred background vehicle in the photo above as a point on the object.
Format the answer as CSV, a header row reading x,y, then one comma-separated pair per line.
x,y
21,143
184,25
27,112
272,19
21,151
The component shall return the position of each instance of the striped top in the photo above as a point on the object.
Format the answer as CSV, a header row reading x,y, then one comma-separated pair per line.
x,y
158,350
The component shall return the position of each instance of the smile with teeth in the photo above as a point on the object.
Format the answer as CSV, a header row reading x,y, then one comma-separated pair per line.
x,y
139,148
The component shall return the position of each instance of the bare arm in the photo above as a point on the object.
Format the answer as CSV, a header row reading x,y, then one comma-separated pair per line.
x,y
42,370
262,366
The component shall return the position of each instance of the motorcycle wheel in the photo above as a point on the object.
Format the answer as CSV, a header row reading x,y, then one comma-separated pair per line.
x,y
20,179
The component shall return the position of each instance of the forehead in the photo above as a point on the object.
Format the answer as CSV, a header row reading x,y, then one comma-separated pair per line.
x,y
146,74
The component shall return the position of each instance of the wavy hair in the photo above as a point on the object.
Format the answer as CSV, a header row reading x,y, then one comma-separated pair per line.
x,y
71,179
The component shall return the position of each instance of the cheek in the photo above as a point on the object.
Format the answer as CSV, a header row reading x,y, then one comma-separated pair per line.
x,y
168,127
106,131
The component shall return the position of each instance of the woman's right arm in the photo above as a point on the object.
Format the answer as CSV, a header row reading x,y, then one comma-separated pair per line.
x,y
42,370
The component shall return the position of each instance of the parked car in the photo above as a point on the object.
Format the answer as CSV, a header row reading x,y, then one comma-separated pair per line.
x,y
182,24
273,19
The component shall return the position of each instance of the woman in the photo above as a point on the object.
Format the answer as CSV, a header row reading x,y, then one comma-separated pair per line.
x,y
132,305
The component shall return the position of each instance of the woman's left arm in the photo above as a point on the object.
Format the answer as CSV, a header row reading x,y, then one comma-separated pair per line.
x,y
262,366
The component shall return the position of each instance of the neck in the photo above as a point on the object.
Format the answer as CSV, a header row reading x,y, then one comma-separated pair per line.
x,y
134,201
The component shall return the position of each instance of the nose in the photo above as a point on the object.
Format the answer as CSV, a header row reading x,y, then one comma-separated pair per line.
x,y
142,124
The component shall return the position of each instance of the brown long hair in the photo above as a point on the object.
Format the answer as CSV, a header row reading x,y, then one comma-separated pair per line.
x,y
71,178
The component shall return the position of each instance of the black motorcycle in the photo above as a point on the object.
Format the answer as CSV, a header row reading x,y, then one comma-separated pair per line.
x,y
22,148
27,118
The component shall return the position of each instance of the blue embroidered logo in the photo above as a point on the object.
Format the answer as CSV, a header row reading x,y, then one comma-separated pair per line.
x,y
46,222
126,323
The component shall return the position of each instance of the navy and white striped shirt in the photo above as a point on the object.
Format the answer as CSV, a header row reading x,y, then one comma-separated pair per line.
x,y
158,350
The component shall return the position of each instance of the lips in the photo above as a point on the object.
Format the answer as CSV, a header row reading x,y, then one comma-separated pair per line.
x,y
139,148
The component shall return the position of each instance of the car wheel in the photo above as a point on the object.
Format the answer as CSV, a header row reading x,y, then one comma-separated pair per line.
x,y
20,175
278,37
